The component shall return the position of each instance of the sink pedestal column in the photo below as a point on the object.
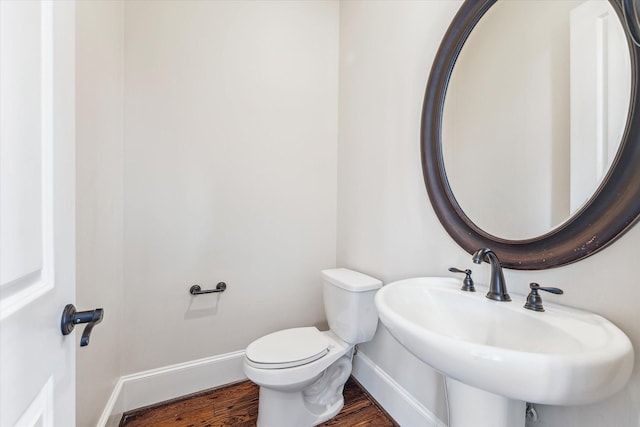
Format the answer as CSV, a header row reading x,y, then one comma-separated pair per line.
x,y
473,407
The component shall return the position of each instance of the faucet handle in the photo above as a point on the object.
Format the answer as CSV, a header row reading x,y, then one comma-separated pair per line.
x,y
467,282
534,301
548,289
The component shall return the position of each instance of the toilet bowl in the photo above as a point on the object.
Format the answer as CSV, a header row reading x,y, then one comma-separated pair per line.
x,y
302,371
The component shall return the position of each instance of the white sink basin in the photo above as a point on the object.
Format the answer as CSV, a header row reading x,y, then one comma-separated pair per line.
x,y
561,356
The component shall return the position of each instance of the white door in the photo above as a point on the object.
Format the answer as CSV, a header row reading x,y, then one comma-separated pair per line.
x,y
37,208
600,87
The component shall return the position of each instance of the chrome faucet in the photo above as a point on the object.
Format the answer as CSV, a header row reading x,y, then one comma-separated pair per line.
x,y
497,284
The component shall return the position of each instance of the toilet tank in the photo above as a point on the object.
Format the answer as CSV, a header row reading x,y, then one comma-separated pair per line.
x,y
349,304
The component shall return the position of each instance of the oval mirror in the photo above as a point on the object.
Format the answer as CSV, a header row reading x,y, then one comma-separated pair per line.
x,y
566,65
520,153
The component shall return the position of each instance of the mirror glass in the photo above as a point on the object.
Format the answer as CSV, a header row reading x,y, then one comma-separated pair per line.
x,y
519,169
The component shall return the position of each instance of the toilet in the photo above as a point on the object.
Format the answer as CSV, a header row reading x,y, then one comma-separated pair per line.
x,y
302,371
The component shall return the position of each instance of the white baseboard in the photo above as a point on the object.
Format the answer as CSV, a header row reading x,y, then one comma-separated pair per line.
x,y
398,402
157,385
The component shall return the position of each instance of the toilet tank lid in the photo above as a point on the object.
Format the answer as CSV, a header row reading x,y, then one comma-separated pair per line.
x,y
351,280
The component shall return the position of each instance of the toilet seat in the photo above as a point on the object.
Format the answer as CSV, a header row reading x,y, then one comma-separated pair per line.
x,y
287,348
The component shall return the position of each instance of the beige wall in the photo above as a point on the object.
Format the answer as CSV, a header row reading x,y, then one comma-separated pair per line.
x,y
207,138
99,156
230,172
387,228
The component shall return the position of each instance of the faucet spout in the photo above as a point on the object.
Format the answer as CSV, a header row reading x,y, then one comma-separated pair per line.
x,y
497,284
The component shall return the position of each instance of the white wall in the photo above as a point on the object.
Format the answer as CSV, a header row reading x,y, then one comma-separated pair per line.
x,y
230,172
99,127
386,227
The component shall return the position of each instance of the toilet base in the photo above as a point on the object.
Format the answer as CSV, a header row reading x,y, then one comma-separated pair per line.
x,y
313,405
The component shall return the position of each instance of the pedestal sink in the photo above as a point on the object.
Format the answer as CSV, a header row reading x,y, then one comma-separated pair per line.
x,y
498,355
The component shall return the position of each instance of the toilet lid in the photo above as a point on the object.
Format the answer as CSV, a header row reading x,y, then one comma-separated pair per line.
x,y
288,348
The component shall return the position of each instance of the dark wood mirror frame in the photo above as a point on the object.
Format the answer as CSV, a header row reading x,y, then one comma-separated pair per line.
x,y
612,210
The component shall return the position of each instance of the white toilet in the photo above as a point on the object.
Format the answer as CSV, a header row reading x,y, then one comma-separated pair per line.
x,y
301,372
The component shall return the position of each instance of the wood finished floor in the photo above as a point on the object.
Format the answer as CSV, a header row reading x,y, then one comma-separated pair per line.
x,y
237,405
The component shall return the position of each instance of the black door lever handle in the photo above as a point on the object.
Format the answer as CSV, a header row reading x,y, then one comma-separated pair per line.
x,y
71,318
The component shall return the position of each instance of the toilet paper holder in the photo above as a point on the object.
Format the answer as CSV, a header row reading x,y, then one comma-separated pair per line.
x,y
197,290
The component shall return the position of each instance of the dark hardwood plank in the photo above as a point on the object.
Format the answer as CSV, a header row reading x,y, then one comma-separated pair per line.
x,y
237,405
